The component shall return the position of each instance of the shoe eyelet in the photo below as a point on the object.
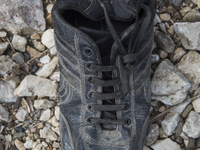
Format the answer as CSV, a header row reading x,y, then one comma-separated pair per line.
x,y
89,107
128,122
89,79
88,52
90,95
89,120
127,106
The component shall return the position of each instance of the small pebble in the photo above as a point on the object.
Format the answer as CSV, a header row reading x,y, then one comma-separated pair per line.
x,y
45,59
3,34
165,17
162,54
35,36
49,8
19,42
18,58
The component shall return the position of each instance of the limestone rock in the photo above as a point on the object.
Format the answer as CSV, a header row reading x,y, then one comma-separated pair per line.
x,y
47,69
6,93
164,42
45,116
48,38
43,104
54,121
179,109
36,86
4,115
166,144
196,105
18,58
190,66
146,148
178,53
29,144
153,134
188,34
19,43
7,67
21,115
45,59
184,10
47,133
3,34
55,76
19,145
38,45
53,51
170,123
165,17
168,84
192,125
3,47
22,16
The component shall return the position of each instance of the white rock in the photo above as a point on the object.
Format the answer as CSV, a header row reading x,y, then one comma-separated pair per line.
x,y
154,58
162,134
56,130
47,69
4,115
6,93
170,123
35,144
49,8
29,144
57,112
47,133
53,51
166,144
21,115
43,104
45,59
48,38
44,144
45,115
179,109
37,86
192,125
54,121
3,47
184,136
3,34
190,66
56,144
38,45
55,76
196,105
19,43
14,81
189,34
168,84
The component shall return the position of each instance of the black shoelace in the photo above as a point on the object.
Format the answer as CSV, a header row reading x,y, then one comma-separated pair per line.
x,y
126,60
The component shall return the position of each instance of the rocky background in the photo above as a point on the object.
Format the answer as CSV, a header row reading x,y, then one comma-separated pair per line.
x,y
29,77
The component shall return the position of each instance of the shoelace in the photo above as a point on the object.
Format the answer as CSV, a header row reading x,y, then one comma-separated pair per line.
x,y
126,60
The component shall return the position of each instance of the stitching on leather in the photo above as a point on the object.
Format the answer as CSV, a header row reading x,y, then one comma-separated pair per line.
x,y
69,131
124,6
91,6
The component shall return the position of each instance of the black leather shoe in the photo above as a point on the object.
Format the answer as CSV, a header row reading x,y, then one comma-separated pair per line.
x,y
104,49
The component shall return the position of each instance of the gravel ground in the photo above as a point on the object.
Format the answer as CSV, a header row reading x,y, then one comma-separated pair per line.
x,y
29,77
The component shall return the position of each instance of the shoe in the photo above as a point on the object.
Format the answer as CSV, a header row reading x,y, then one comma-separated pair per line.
x,y
104,49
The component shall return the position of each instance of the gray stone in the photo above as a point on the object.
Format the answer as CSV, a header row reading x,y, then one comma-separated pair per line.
x,y
47,69
177,2
190,66
170,123
188,34
44,104
153,134
19,42
6,93
168,84
18,58
192,16
196,105
36,86
22,16
45,59
164,42
38,45
4,115
7,67
3,47
192,125
18,135
29,144
166,144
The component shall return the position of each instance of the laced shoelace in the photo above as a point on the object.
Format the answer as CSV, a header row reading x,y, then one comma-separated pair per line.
x,y
125,62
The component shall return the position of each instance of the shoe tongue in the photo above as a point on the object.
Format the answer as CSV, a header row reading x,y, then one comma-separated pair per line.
x,y
121,10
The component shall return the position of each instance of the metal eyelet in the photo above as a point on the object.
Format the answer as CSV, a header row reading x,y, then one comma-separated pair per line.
x,y
127,106
89,107
89,120
90,95
88,52
128,122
